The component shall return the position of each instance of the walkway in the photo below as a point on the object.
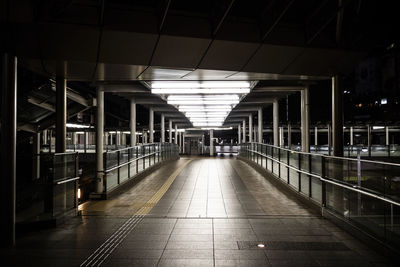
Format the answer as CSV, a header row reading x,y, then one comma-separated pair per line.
x,y
196,212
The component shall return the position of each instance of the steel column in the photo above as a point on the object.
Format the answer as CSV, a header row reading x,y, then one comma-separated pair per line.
x,y
133,122
337,118
239,134
151,126
244,131
211,142
170,132
162,128
260,125
8,148
250,128
305,120
61,113
176,134
275,121
99,139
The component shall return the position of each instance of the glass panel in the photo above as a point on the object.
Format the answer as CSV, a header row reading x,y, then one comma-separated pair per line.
x,y
123,173
305,184
316,164
112,179
284,172
294,178
316,189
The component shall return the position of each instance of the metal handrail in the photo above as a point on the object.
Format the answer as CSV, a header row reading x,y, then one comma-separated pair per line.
x,y
327,156
129,162
340,184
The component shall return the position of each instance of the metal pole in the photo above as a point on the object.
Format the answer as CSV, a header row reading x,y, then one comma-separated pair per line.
x,y
315,137
251,128
133,122
244,131
329,140
176,134
183,143
61,113
170,131
162,128
211,142
289,132
387,140
369,140
260,125
275,115
8,147
151,126
337,118
305,120
36,156
99,139
239,134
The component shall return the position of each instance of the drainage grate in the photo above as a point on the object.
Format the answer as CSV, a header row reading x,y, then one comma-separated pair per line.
x,y
287,245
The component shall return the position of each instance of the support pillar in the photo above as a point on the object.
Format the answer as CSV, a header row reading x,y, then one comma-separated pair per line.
x,y
275,121
239,134
99,139
211,142
202,144
176,134
162,128
36,156
337,118
260,125
170,131
183,143
369,139
351,136
151,126
8,148
305,120
281,142
61,113
244,131
316,137
251,128
133,122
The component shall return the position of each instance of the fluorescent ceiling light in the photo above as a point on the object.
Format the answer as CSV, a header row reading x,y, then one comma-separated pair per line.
x,y
184,108
219,128
377,127
214,84
205,97
75,125
200,124
166,91
202,102
206,119
208,114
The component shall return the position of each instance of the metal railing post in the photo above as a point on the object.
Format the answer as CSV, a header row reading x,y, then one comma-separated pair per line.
x,y
288,169
118,162
323,184
299,181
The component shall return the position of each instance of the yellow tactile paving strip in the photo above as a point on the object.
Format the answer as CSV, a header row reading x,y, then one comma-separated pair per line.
x,y
157,196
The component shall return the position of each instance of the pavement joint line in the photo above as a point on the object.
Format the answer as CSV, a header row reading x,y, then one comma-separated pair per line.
x,y
108,246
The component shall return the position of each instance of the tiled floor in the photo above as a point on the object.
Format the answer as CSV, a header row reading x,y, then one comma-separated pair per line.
x,y
215,213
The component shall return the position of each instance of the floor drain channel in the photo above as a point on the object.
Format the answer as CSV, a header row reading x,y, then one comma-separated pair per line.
x,y
99,256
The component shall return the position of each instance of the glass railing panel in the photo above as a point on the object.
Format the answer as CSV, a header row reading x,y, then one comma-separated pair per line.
x,y
123,156
316,189
284,173
112,179
123,173
305,184
316,166
111,159
304,162
294,159
337,199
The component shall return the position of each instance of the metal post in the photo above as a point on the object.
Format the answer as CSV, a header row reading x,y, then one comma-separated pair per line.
x,y
239,134
369,140
170,131
275,121
151,126
133,122
176,134
8,147
329,140
85,141
162,128
305,120
251,128
337,118
244,131
36,156
183,143
211,142
351,139
289,139
61,113
99,139
316,138
387,140
260,125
